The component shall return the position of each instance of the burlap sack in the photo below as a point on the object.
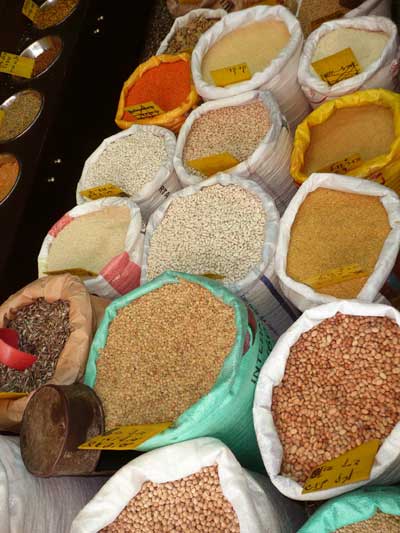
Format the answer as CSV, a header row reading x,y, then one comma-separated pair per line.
x,y
178,8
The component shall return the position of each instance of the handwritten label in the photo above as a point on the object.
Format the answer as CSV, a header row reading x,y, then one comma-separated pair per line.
x,y
233,74
336,275
80,272
344,165
12,395
317,22
145,110
212,275
30,9
125,437
349,467
16,65
337,67
102,191
214,163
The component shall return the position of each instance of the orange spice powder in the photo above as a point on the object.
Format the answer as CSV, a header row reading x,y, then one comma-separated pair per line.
x,y
9,170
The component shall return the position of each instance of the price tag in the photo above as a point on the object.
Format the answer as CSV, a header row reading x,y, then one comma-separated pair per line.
x,y
212,275
12,395
1,115
336,275
344,165
317,22
145,110
337,67
349,467
233,74
102,191
125,437
16,65
30,9
80,272
214,163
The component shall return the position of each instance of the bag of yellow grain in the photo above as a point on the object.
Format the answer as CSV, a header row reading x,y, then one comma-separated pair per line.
x,y
245,135
178,8
357,134
159,92
258,48
101,242
339,238
344,56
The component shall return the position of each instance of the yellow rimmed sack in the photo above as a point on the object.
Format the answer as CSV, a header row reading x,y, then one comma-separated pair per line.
x,y
172,119
383,169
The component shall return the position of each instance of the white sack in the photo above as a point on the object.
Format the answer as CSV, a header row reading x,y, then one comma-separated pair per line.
x,y
280,77
269,164
303,296
259,507
382,73
386,467
122,273
157,189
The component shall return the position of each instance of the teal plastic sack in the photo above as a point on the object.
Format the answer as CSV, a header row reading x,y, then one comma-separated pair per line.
x,y
353,507
226,411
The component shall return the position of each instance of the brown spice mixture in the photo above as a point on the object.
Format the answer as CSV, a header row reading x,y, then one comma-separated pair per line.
x,y
55,13
9,170
379,523
45,59
185,38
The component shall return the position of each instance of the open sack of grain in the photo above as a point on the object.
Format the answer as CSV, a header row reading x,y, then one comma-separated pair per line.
x,y
373,41
101,242
138,162
329,386
248,128
193,360
356,134
178,8
339,238
225,228
191,486
268,42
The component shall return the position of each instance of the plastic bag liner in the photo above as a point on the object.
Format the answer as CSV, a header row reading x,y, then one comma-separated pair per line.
x,y
280,77
72,361
303,296
352,508
122,273
384,169
386,467
183,21
382,73
34,505
159,186
268,165
226,411
260,288
258,506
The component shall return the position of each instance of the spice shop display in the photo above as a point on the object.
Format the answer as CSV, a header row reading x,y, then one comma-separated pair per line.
x,y
215,380
339,238
18,113
258,48
9,175
196,484
101,242
371,62
226,228
245,135
138,162
159,92
336,137
330,386
52,13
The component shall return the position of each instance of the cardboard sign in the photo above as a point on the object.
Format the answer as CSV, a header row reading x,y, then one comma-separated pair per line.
x,y
337,67
145,110
336,275
102,191
344,165
232,74
214,163
16,65
30,9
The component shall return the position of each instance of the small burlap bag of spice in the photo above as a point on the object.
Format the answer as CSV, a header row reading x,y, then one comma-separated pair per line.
x,y
178,8
159,92
50,314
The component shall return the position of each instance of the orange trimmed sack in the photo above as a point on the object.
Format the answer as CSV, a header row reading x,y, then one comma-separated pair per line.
x,y
172,119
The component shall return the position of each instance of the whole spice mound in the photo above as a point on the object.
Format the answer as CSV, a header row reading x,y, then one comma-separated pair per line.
x,y
9,170
20,114
164,351
54,13
129,162
43,329
340,389
218,230
379,523
45,59
313,13
194,503
237,130
185,38
332,230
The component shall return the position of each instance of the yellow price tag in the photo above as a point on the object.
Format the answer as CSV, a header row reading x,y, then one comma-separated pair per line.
x,y
145,110
30,9
16,65
125,437
344,165
337,67
212,275
102,191
1,115
80,272
12,395
214,163
336,275
232,74
349,467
